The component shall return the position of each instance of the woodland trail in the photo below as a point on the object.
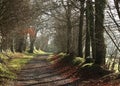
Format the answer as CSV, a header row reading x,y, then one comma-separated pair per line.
x,y
38,72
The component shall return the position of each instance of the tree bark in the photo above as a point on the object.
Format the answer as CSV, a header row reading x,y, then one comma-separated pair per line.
x,y
92,28
99,32
20,45
31,46
32,41
87,43
80,33
69,27
116,2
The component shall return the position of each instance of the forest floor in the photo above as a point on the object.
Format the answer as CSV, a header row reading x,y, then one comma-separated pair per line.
x,y
39,72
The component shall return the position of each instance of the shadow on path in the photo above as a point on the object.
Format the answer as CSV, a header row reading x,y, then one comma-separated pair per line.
x,y
38,72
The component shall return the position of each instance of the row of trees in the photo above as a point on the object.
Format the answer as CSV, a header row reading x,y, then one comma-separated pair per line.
x,y
19,23
86,19
80,28
13,18
70,26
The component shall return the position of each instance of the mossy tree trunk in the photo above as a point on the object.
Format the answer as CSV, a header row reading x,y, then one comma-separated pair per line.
x,y
99,32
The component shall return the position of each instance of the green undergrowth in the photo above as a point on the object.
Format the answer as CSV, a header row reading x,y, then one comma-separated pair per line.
x,y
17,63
84,69
11,63
5,72
69,60
78,60
40,52
66,59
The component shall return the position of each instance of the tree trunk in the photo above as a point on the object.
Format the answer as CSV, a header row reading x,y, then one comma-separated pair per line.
x,y
99,32
87,43
92,29
4,43
25,42
12,45
69,27
31,46
80,33
20,45
32,41
116,2
119,65
68,35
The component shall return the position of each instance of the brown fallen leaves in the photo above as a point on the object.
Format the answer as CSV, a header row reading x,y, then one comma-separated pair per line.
x,y
85,76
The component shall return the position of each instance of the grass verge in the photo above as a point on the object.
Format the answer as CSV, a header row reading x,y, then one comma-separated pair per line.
x,y
10,64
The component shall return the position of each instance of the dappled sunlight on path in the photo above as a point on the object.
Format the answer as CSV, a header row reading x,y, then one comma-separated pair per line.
x,y
38,72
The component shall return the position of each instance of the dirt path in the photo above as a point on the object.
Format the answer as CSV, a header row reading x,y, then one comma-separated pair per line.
x,y
38,72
